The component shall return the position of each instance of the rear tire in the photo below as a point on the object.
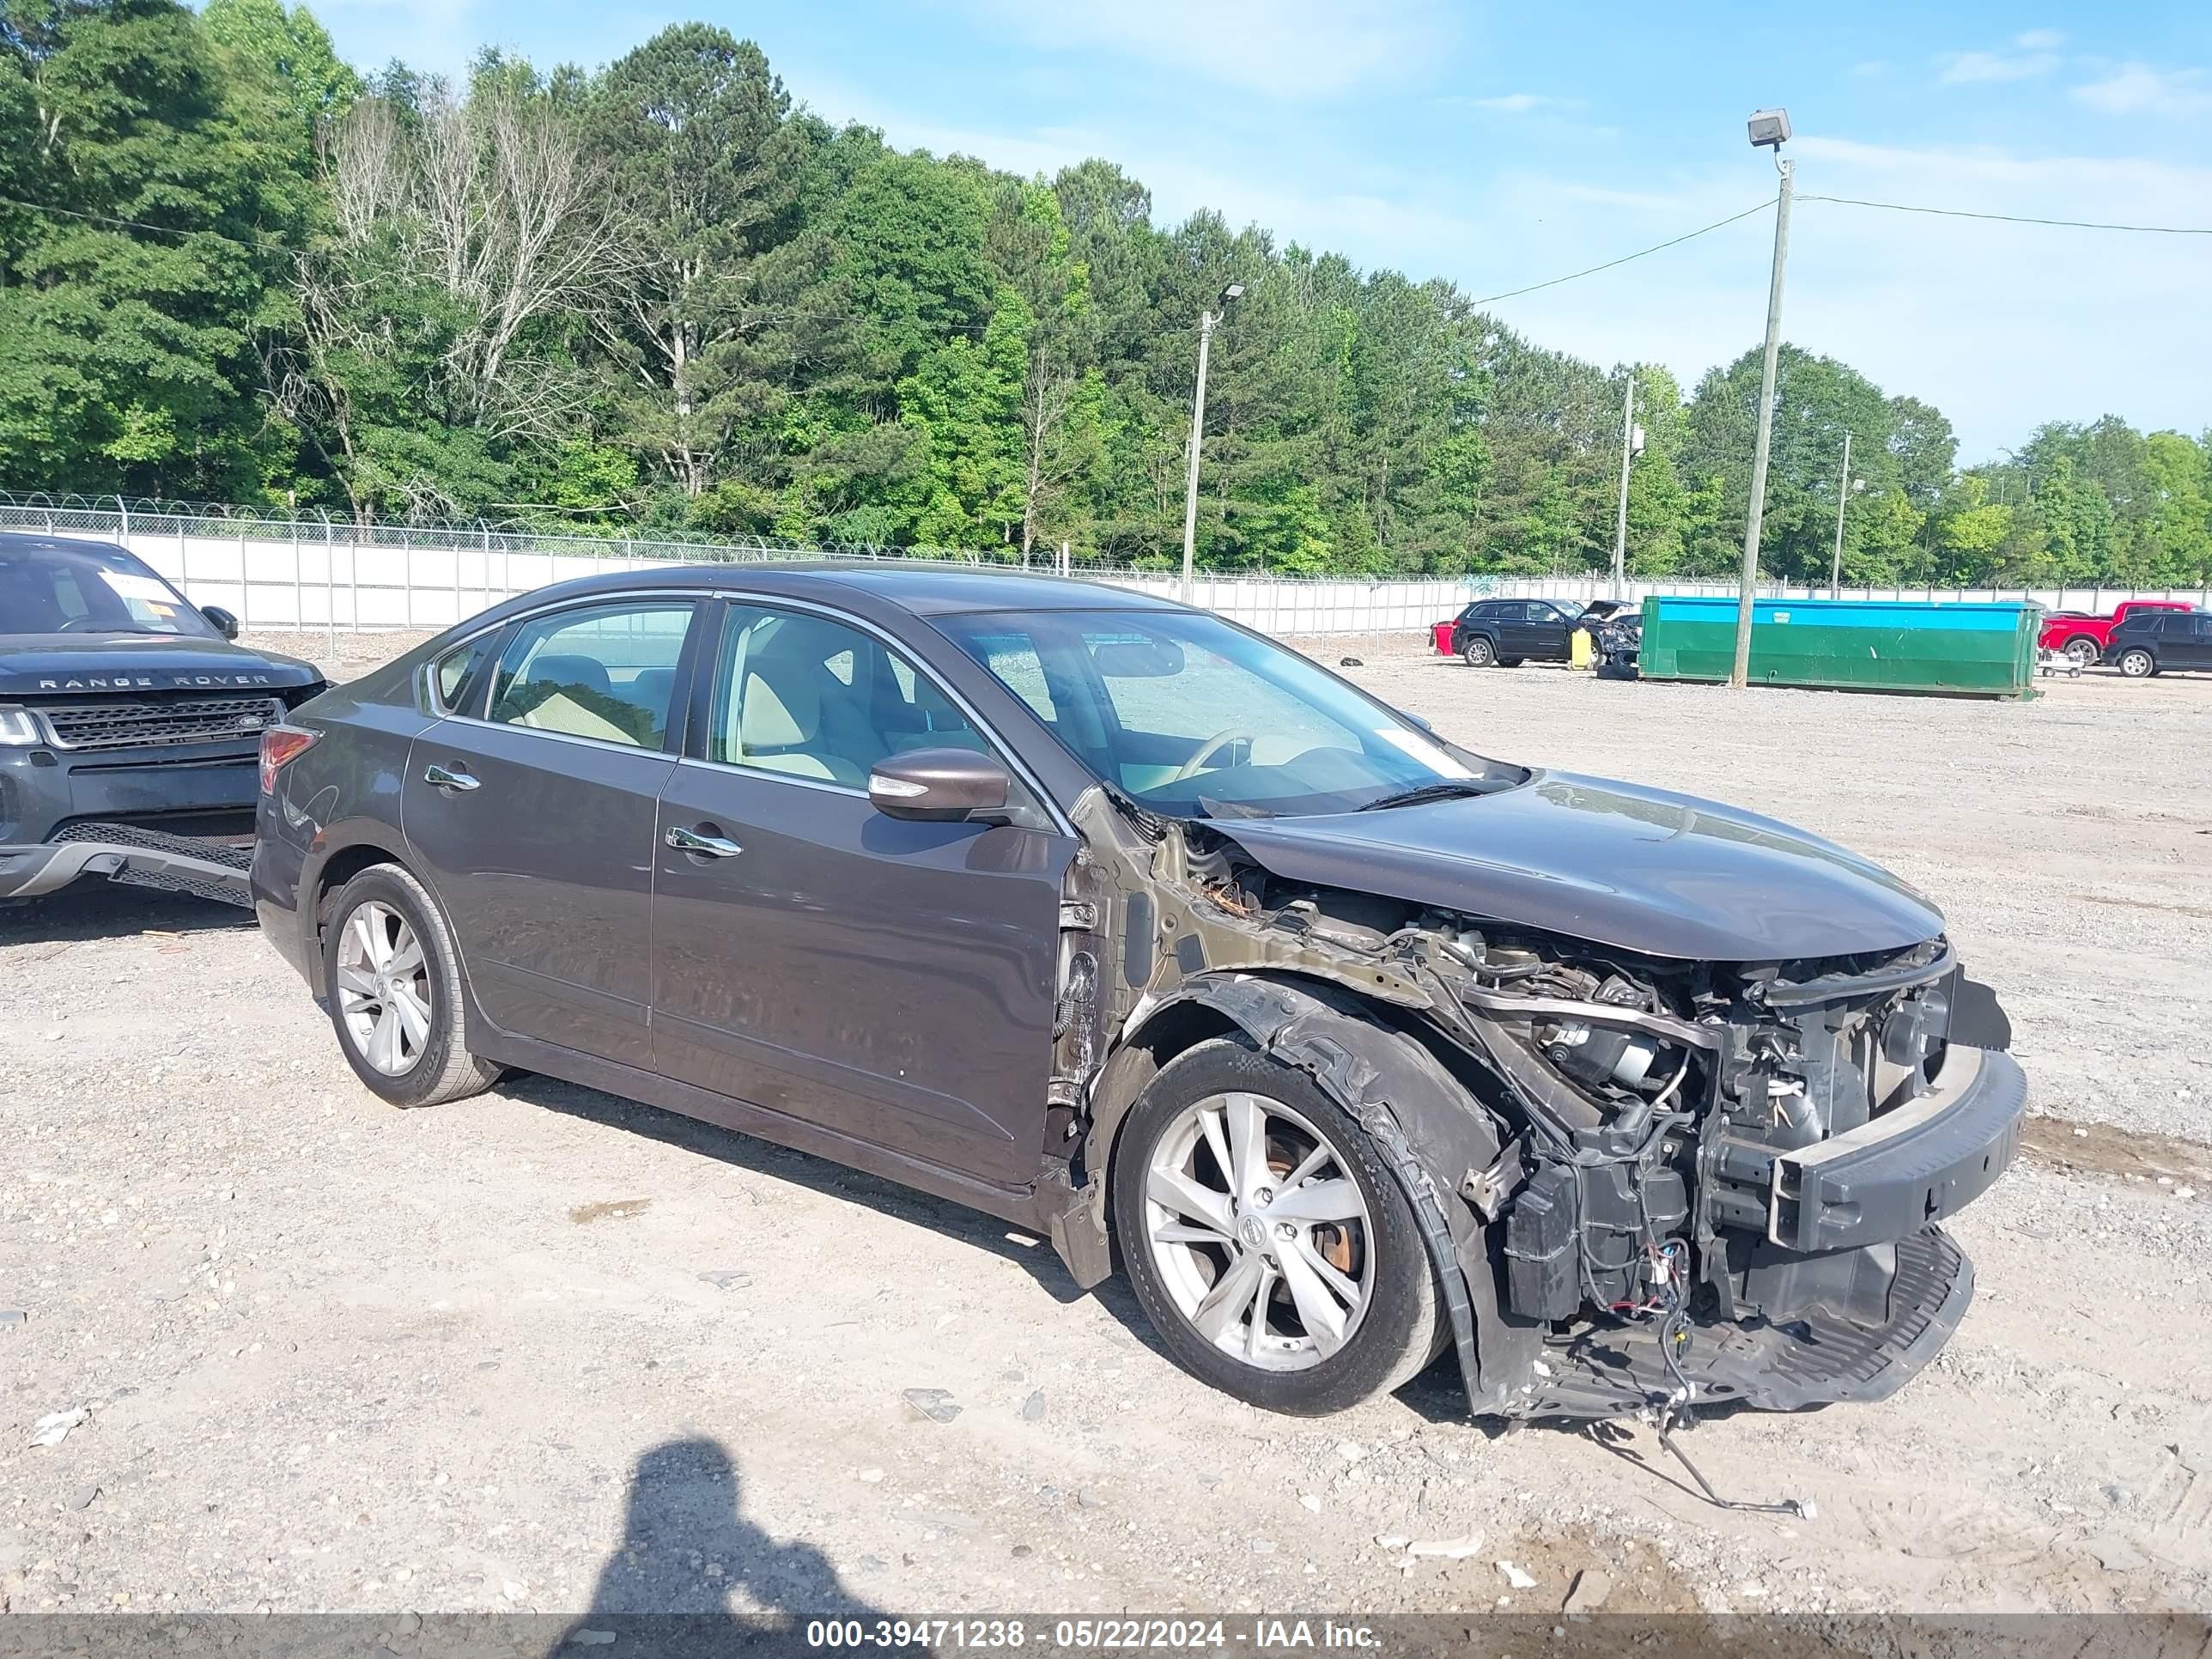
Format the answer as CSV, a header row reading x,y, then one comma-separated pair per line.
x,y
1478,652
2138,663
395,992
2082,649
1341,1230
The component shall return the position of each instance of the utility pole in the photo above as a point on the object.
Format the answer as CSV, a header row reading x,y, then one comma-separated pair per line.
x,y
1620,519
1769,128
1207,321
1843,495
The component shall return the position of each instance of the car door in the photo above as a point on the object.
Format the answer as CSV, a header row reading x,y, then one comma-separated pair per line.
x,y
532,819
1517,637
1549,630
2193,649
890,980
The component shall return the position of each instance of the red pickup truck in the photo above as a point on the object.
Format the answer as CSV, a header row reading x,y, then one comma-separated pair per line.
x,y
2084,637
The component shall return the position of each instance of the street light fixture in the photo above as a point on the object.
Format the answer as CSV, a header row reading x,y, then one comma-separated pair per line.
x,y
1768,129
1230,293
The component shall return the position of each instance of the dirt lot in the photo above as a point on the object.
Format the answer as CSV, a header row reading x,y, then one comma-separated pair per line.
x,y
548,1350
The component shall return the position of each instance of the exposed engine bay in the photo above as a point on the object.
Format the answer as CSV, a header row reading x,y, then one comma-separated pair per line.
x,y
1692,1166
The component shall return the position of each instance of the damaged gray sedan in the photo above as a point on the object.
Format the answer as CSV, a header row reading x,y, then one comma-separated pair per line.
x,y
1124,924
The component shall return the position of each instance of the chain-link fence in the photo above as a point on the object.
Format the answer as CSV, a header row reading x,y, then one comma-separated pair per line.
x,y
322,572
325,572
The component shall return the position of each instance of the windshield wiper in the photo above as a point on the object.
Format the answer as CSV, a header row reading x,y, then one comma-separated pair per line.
x,y
1443,789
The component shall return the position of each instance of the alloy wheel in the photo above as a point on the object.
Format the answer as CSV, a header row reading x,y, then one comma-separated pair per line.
x,y
2081,650
383,989
1259,1233
2135,664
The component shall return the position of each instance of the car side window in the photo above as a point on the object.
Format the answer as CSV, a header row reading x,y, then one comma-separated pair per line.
x,y
607,672
810,697
460,671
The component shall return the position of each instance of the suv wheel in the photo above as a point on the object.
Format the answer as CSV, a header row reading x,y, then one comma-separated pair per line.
x,y
1269,1245
1478,652
395,984
2138,663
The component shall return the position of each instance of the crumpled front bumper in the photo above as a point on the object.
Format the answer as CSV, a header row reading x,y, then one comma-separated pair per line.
x,y
123,853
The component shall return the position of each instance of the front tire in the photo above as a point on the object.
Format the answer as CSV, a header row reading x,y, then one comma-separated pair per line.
x,y
2138,663
1268,1241
395,992
1478,652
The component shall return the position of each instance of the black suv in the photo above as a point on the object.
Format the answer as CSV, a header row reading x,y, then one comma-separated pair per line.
x,y
130,724
2147,642
1510,632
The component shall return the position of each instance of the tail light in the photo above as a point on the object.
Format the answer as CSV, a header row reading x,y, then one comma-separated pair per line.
x,y
280,746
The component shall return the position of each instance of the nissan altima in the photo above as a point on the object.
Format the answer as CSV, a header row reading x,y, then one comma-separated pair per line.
x,y
1352,1046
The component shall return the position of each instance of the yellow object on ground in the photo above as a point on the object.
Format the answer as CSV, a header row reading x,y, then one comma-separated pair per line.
x,y
1580,651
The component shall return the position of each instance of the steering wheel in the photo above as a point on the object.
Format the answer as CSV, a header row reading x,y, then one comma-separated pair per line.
x,y
1206,751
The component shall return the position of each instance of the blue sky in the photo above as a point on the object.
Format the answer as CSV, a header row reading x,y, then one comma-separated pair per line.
x,y
1500,145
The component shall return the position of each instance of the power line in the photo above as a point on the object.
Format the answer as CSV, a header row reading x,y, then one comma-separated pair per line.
x,y
1659,247
2016,218
140,224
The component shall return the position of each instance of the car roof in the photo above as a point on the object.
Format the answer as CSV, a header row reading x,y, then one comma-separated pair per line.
x,y
17,541
923,587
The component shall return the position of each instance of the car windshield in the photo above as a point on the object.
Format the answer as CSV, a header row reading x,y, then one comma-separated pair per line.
x,y
1193,718
55,588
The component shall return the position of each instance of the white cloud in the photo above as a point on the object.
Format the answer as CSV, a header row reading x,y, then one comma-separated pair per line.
x,y
1976,68
1513,103
1284,48
2039,40
2136,89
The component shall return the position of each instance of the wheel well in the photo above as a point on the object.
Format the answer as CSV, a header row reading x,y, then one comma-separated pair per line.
x,y
342,867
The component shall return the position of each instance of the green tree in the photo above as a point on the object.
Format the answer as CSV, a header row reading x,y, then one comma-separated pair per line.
x,y
132,304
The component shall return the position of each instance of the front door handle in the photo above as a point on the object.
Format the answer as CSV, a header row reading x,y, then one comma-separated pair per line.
x,y
693,841
439,778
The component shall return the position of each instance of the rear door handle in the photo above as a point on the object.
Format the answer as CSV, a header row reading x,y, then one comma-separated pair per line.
x,y
694,840
439,778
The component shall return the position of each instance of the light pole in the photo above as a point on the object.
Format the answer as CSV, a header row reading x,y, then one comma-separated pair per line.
x,y
1843,495
1768,129
1229,294
1631,445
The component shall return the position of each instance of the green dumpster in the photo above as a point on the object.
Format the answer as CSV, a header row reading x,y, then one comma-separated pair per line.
x,y
1878,645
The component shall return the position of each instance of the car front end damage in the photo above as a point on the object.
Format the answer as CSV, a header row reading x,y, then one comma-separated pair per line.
x,y
1645,1182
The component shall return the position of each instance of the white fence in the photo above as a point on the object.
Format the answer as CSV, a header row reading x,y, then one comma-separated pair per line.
x,y
324,575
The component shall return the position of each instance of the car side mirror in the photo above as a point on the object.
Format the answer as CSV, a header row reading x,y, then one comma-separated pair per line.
x,y
939,785
225,623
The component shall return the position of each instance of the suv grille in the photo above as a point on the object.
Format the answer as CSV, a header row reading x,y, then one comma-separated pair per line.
x,y
143,724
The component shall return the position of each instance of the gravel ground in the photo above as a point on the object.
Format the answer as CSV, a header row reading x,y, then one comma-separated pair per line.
x,y
548,1350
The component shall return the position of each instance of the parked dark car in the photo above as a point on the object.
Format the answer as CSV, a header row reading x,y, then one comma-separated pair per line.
x,y
1133,928
2147,642
1507,633
130,724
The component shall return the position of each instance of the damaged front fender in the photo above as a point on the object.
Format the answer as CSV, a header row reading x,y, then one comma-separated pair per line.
x,y
1436,1138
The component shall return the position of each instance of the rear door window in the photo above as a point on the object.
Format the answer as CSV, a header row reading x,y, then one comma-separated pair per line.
x,y
606,673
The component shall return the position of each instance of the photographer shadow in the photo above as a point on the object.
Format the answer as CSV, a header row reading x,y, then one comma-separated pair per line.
x,y
655,1594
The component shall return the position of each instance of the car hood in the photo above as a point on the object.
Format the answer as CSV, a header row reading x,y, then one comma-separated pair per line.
x,y
1642,870
44,665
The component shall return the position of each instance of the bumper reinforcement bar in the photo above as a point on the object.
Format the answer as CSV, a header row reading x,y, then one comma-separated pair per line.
x,y
120,851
